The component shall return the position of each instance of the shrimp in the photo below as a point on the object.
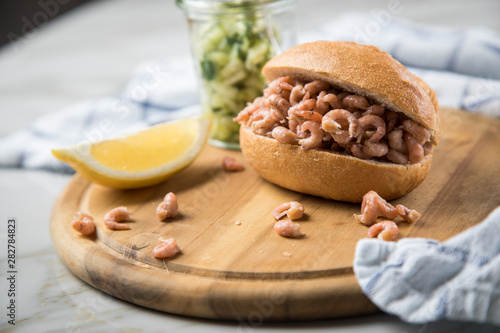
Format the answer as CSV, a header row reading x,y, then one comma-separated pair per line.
x,y
244,116
357,151
357,114
314,116
284,135
333,100
279,115
264,122
375,109
385,230
321,106
287,228
392,119
315,139
293,209
285,94
396,141
118,214
377,149
415,150
342,95
293,124
167,249
230,164
327,137
168,207
287,79
295,114
396,157
374,206
427,148
83,223
325,102
284,83
298,94
341,124
305,105
408,215
355,102
257,115
316,86
375,123
419,132
278,102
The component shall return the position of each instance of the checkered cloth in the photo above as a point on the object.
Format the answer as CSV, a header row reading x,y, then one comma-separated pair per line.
x,y
422,280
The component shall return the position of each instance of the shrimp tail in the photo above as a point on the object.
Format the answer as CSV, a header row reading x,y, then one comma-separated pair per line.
x,y
113,225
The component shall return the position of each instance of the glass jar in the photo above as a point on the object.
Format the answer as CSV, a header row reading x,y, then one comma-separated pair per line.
x,y
231,41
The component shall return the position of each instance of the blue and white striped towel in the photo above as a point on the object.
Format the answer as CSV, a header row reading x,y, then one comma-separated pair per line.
x,y
158,91
166,89
422,280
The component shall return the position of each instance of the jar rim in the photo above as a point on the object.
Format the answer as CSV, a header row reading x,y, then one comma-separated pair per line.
x,y
232,6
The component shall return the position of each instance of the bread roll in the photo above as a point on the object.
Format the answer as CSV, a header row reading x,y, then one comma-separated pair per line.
x,y
362,70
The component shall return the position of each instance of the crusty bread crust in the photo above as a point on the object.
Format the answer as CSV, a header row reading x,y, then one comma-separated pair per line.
x,y
328,174
364,70
432,95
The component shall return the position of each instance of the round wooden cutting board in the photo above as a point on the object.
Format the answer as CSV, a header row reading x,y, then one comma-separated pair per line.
x,y
233,265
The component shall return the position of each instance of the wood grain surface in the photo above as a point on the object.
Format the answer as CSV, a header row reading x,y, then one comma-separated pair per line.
x,y
245,271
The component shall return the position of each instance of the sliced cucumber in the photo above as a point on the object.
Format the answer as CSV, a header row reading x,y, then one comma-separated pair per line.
x,y
232,51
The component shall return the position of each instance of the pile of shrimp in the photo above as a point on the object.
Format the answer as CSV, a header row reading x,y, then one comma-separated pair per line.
x,y
84,224
374,206
317,115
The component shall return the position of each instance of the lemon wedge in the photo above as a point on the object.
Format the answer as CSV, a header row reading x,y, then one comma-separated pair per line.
x,y
140,159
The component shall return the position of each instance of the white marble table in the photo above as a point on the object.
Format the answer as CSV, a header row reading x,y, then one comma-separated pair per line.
x,y
87,54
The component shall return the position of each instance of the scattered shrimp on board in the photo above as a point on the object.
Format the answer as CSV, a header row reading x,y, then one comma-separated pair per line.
x,y
385,230
230,164
409,215
168,207
287,228
83,223
167,249
374,206
293,209
118,214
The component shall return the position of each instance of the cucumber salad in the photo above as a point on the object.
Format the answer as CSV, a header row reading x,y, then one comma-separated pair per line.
x,y
231,51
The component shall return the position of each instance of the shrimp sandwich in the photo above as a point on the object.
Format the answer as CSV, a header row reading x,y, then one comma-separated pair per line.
x,y
339,119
